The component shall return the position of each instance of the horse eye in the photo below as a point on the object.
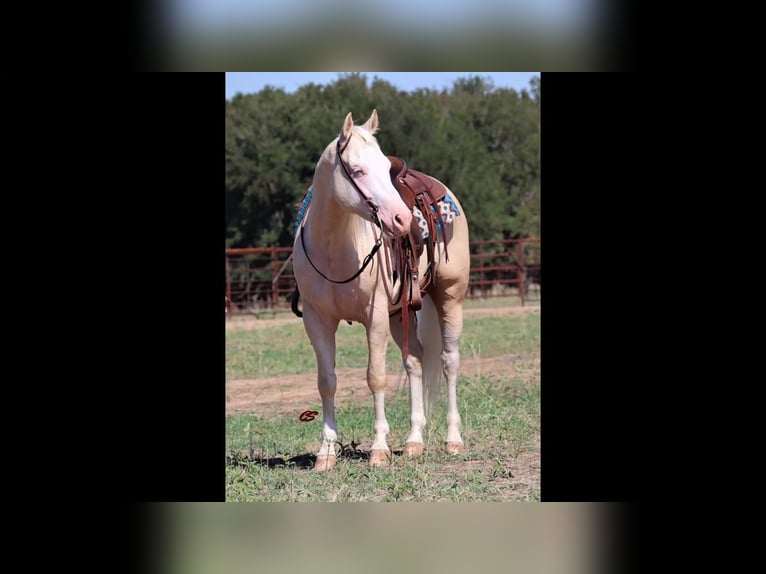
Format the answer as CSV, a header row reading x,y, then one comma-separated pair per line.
x,y
357,173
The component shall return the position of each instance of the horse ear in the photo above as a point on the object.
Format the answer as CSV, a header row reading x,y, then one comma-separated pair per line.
x,y
371,125
345,133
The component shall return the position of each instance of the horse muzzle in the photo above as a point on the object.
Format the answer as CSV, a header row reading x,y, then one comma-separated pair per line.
x,y
397,223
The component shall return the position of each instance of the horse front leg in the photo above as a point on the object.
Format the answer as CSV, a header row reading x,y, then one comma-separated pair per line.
x,y
321,332
377,340
414,367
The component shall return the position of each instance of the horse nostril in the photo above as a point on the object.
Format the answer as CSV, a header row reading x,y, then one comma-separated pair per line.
x,y
398,219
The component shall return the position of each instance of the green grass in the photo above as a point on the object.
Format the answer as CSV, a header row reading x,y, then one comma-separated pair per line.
x,y
286,349
533,300
507,301
270,460
518,335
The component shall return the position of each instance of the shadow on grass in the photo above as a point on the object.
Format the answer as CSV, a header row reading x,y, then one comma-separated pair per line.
x,y
303,461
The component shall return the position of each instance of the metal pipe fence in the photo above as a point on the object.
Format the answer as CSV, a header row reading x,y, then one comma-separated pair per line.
x,y
261,278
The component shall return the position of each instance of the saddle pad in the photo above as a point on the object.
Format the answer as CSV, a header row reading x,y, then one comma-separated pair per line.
x,y
302,209
447,209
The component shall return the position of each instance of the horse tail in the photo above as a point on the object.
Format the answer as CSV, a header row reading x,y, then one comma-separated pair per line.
x,y
294,302
429,335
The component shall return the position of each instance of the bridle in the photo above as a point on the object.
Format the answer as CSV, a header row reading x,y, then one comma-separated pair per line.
x,y
375,219
368,200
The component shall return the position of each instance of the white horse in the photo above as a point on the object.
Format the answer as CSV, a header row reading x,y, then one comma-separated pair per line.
x,y
343,274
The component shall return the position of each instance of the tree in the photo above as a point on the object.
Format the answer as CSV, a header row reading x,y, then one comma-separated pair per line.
x,y
482,142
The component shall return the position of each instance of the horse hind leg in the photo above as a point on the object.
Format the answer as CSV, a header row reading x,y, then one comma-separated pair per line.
x,y
322,335
451,322
414,368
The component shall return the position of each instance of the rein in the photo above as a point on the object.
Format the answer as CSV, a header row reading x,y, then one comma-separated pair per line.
x,y
375,219
365,263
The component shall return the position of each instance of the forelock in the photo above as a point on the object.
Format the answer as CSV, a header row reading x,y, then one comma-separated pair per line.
x,y
366,136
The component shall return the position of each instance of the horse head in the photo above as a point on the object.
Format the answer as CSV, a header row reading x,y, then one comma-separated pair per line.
x,y
365,169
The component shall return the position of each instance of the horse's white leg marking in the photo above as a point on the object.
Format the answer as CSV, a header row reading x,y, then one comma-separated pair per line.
x,y
452,327
377,340
321,332
414,367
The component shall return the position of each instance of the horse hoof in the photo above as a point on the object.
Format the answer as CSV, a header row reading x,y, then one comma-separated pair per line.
x,y
413,449
324,462
455,448
380,457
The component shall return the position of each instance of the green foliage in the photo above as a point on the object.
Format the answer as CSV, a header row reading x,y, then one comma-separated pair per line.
x,y
482,142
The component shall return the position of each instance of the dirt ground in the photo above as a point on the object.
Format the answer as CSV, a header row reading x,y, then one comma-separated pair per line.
x,y
286,395
292,394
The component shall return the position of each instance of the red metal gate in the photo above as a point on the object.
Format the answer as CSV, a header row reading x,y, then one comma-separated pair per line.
x,y
504,266
261,278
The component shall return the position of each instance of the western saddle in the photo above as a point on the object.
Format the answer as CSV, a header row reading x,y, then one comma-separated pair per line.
x,y
417,190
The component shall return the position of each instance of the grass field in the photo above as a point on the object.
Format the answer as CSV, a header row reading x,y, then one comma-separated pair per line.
x,y
270,453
